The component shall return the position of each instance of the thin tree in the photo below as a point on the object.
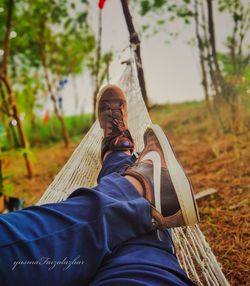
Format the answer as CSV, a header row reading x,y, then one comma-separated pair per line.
x,y
208,52
4,78
7,111
97,64
219,80
1,186
201,54
212,34
135,42
41,44
103,73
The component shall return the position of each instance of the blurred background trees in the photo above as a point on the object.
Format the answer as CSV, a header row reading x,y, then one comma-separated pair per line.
x,y
42,43
46,44
225,76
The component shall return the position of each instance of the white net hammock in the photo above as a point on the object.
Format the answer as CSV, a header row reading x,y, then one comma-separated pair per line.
x,y
194,253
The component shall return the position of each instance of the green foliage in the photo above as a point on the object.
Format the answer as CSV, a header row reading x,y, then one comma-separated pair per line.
x,y
54,30
82,17
164,12
235,64
65,37
145,27
228,68
105,61
8,190
69,53
77,125
27,96
145,7
5,188
181,118
159,3
240,14
149,5
161,22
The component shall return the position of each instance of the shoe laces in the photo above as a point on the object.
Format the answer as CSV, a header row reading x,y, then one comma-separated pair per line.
x,y
118,129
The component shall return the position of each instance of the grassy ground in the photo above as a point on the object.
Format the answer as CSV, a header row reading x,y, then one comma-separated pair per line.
x,y
49,133
211,159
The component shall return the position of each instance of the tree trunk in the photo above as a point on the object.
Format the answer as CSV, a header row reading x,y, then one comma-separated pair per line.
x,y
101,79
212,34
1,187
59,116
53,97
135,41
41,46
97,65
242,34
233,46
16,115
201,53
4,78
1,178
9,114
33,120
75,93
7,37
94,104
219,77
214,80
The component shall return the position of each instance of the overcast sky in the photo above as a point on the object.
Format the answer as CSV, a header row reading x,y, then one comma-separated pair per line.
x,y
172,71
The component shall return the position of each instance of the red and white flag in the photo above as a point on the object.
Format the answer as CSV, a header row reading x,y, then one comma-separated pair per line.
x,y
101,4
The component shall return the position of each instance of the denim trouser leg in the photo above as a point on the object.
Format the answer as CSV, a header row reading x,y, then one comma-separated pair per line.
x,y
65,243
148,259
116,162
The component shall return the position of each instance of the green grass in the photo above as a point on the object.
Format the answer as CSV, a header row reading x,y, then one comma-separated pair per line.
x,y
181,117
50,133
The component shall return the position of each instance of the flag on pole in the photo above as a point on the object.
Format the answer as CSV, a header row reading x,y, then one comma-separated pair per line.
x,y
46,117
101,3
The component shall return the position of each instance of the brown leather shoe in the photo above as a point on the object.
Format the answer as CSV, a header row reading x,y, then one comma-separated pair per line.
x,y
112,115
165,184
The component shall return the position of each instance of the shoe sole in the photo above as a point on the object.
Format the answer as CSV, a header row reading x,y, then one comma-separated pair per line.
x,y
179,179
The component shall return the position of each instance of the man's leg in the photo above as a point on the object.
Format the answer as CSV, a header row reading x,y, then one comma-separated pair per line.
x,y
144,260
38,243
117,162
98,220
149,259
87,225
157,173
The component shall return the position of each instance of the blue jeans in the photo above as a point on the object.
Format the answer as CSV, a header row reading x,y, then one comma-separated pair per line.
x,y
98,236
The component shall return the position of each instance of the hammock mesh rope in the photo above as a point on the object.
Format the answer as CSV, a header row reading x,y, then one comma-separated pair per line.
x,y
81,170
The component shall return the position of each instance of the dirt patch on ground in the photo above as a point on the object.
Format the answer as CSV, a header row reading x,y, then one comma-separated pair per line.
x,y
48,161
224,166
